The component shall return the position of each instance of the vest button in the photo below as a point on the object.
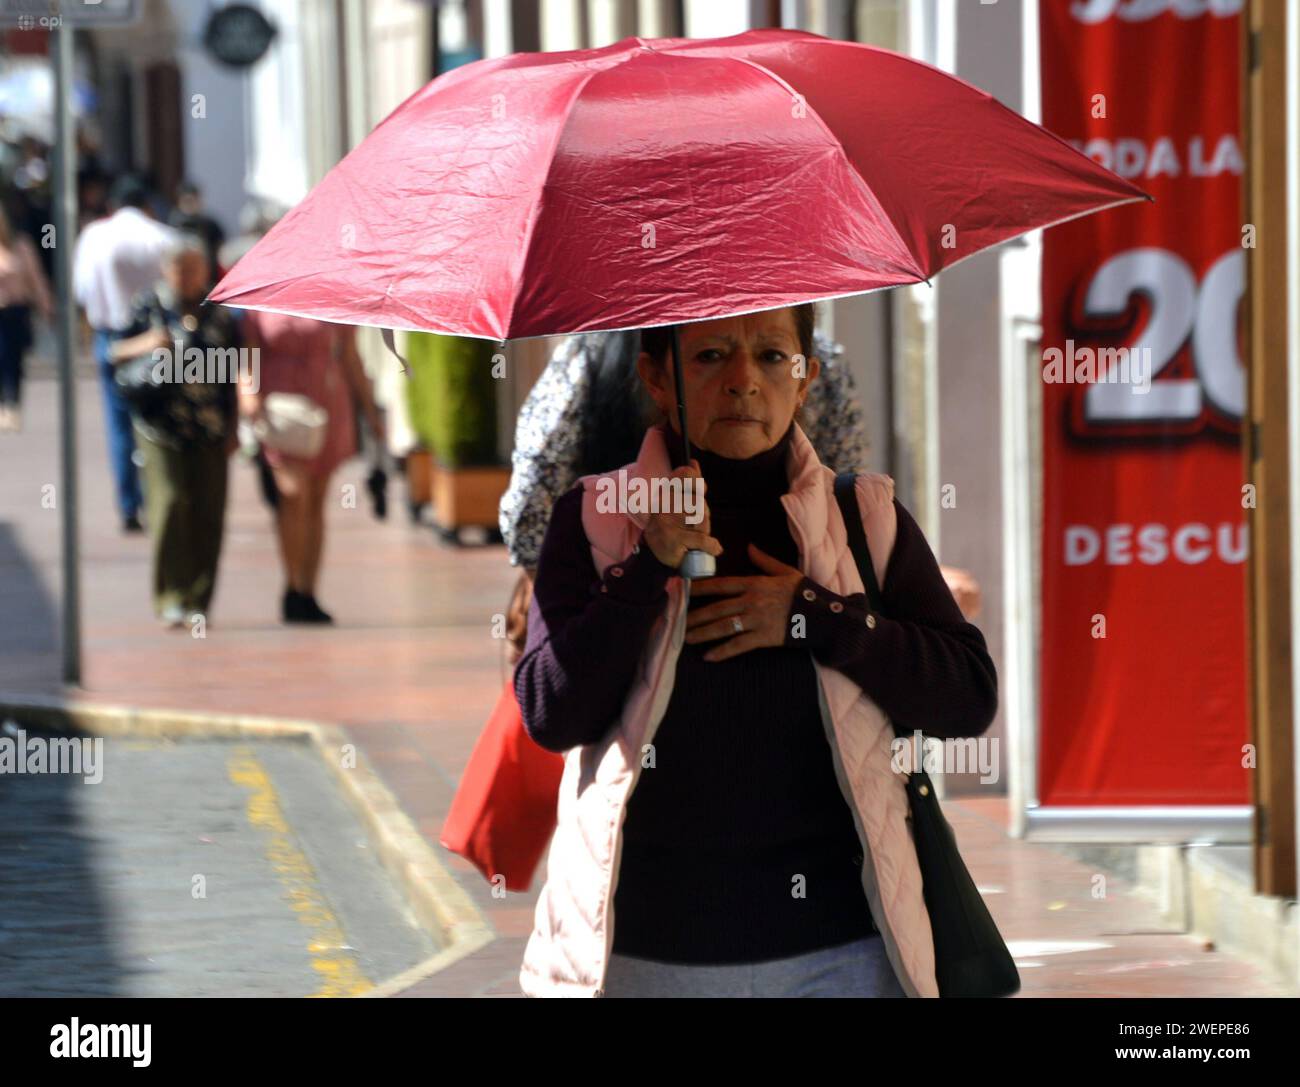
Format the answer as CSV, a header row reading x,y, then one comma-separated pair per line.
x,y
808,594
871,622
616,571
836,606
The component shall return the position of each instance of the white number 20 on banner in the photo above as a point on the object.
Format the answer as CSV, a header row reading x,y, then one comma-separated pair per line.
x,y
1180,308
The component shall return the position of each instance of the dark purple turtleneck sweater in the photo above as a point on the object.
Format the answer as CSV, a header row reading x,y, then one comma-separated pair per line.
x,y
738,844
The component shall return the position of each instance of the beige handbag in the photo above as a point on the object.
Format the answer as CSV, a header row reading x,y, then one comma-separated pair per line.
x,y
292,424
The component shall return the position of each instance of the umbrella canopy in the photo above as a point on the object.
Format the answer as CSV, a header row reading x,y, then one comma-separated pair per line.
x,y
657,181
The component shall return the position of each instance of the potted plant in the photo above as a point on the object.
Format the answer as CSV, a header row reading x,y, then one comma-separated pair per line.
x,y
452,397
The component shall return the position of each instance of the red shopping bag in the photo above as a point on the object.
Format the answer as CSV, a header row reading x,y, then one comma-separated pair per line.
x,y
503,814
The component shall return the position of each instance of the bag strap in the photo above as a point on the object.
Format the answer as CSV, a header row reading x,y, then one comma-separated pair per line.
x,y
846,495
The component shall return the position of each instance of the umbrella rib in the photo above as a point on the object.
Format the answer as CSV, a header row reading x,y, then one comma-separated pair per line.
x,y
535,212
914,268
893,53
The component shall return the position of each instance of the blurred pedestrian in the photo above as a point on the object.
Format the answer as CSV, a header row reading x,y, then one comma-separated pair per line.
x,y
92,195
316,365
22,288
190,217
115,259
31,181
760,845
188,434
256,217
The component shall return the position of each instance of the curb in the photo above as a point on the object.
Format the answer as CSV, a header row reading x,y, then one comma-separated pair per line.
x,y
439,903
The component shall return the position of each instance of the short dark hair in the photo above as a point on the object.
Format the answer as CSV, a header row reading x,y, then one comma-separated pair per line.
x,y
129,191
657,341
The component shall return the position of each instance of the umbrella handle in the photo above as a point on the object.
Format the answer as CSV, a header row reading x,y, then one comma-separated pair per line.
x,y
694,564
697,564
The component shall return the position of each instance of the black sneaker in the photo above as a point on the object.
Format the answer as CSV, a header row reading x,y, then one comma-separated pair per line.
x,y
315,613
291,606
132,524
302,608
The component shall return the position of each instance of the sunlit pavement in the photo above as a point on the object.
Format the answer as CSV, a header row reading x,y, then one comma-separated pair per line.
x,y
411,670
198,867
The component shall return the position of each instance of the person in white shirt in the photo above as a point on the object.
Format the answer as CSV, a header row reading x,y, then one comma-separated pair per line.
x,y
115,258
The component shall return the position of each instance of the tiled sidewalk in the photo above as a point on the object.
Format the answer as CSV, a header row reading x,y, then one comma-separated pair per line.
x,y
412,670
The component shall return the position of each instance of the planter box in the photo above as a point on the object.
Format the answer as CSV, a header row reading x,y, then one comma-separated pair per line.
x,y
468,498
419,482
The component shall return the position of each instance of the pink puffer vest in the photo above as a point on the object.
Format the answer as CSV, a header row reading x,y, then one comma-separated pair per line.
x,y
568,952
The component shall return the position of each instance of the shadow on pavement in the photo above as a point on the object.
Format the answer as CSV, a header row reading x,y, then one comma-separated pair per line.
x,y
29,630
55,937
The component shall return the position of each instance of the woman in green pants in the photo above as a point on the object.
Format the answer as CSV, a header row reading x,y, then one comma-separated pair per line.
x,y
186,432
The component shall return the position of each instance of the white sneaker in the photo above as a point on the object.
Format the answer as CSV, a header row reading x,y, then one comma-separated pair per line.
x,y
8,420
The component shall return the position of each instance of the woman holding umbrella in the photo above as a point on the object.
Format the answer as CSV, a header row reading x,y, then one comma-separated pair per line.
x,y
788,168
740,866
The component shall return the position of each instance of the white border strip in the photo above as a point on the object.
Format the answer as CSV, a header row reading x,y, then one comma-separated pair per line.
x,y
1019,651
1191,825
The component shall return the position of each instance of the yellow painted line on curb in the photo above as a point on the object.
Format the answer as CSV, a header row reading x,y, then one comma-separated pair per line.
x,y
341,974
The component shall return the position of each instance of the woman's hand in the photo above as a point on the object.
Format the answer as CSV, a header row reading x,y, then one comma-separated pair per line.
x,y
669,535
760,603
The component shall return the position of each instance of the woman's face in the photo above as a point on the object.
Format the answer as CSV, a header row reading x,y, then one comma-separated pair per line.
x,y
743,381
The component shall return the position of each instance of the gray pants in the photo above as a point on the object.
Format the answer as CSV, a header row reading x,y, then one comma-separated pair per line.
x,y
860,968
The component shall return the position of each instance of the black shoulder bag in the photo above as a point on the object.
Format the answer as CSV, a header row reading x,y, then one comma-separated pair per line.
x,y
138,386
137,379
970,956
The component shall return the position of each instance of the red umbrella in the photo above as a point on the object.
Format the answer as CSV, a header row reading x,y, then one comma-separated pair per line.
x,y
657,181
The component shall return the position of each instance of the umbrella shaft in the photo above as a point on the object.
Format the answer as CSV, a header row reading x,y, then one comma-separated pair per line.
x,y
681,392
695,564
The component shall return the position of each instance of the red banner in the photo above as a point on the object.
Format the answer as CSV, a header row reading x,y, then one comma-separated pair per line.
x,y
1144,502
